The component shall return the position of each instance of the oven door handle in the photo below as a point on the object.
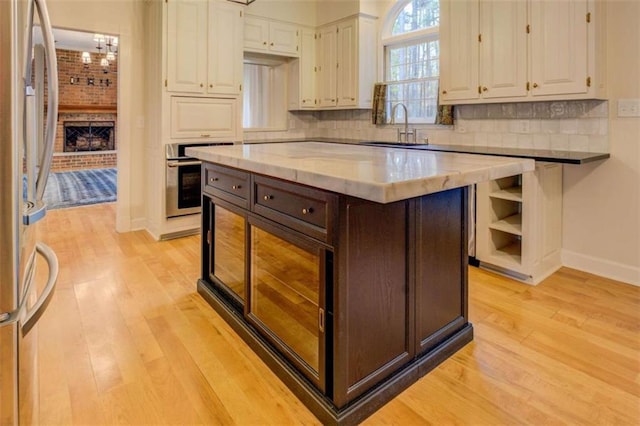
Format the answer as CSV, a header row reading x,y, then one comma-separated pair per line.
x,y
183,163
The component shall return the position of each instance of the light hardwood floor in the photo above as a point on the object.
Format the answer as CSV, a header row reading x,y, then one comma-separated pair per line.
x,y
127,340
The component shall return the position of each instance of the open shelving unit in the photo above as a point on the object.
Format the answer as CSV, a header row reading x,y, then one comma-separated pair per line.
x,y
518,223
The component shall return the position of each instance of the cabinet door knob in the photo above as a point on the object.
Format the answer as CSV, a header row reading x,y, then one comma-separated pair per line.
x,y
307,211
236,186
484,89
264,42
211,85
271,43
535,85
201,85
213,179
353,99
268,197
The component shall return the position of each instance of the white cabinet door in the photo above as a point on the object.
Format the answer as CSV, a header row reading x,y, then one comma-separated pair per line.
x,y
503,48
256,34
459,50
347,63
225,48
327,62
279,38
307,69
558,47
203,118
186,45
284,39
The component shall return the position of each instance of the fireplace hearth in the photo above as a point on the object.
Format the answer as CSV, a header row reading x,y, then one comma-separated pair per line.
x,y
81,136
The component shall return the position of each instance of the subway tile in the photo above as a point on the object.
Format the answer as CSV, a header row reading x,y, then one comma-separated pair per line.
x,y
603,128
525,141
550,126
524,110
486,126
541,141
588,126
494,139
509,140
569,126
501,126
598,144
578,143
535,126
480,139
559,142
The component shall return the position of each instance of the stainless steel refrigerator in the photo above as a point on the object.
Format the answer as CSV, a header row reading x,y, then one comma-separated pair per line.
x,y
28,268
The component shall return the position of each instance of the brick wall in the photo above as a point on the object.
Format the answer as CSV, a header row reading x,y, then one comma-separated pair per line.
x,y
80,100
73,80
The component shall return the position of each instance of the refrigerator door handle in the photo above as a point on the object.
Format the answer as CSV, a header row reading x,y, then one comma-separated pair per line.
x,y
52,106
36,311
30,318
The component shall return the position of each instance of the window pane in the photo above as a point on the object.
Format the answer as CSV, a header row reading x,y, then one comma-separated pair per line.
x,y
414,60
416,15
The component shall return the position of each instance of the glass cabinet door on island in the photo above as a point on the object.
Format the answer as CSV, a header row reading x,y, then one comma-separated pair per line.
x,y
288,276
228,247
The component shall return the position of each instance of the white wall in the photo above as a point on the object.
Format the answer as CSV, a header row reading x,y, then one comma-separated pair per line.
x,y
298,11
123,18
601,201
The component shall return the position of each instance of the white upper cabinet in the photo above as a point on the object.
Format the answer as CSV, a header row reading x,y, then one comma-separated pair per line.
x,y
559,46
327,66
503,49
346,54
459,50
302,73
186,45
225,51
521,50
266,36
204,47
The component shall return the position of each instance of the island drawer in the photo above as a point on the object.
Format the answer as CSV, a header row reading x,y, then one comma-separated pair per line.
x,y
229,184
304,209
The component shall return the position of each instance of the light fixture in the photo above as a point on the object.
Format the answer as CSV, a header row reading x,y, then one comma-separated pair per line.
x,y
111,56
86,59
245,2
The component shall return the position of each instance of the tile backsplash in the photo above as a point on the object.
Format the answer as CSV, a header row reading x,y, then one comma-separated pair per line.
x,y
563,125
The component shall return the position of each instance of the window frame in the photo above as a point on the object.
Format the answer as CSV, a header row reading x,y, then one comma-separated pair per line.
x,y
389,40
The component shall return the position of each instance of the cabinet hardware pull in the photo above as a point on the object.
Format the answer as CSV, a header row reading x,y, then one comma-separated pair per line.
x,y
535,85
353,99
444,92
307,211
264,43
201,85
321,320
268,197
484,89
236,186
205,135
271,43
213,179
211,85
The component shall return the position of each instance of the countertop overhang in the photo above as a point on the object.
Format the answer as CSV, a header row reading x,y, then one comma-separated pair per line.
x,y
379,174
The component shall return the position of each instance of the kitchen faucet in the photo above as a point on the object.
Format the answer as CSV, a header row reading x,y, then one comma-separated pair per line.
x,y
406,132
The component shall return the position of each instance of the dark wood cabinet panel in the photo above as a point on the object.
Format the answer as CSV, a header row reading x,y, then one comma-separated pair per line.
x,y
441,266
371,297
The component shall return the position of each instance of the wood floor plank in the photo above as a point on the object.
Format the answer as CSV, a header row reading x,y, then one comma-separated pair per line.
x,y
127,340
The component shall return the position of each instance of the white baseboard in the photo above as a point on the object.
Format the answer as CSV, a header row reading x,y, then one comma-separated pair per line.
x,y
605,268
138,224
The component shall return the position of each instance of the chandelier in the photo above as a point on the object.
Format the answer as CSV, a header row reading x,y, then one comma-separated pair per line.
x,y
110,46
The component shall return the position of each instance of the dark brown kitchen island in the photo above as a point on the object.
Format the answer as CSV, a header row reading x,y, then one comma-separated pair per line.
x,y
349,288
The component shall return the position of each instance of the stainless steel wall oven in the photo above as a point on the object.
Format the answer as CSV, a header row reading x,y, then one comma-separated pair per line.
x,y
183,192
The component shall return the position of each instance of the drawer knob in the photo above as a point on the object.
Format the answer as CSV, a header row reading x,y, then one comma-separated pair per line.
x,y
213,179
307,211
268,197
236,186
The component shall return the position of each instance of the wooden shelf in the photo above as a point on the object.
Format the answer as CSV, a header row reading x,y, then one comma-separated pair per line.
x,y
509,256
511,224
512,194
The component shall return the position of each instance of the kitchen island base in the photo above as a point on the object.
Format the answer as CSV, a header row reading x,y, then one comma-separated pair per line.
x,y
316,402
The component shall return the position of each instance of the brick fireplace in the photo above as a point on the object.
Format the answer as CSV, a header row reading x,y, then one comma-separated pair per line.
x,y
87,116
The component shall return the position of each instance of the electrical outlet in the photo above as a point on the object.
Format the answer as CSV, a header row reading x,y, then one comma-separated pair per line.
x,y
628,107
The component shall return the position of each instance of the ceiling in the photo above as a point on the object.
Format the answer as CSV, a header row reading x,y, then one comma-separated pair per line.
x,y
68,39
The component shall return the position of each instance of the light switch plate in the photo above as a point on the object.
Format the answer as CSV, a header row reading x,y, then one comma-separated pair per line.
x,y
628,107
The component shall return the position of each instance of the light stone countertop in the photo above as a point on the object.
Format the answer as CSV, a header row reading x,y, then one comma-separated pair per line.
x,y
377,174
